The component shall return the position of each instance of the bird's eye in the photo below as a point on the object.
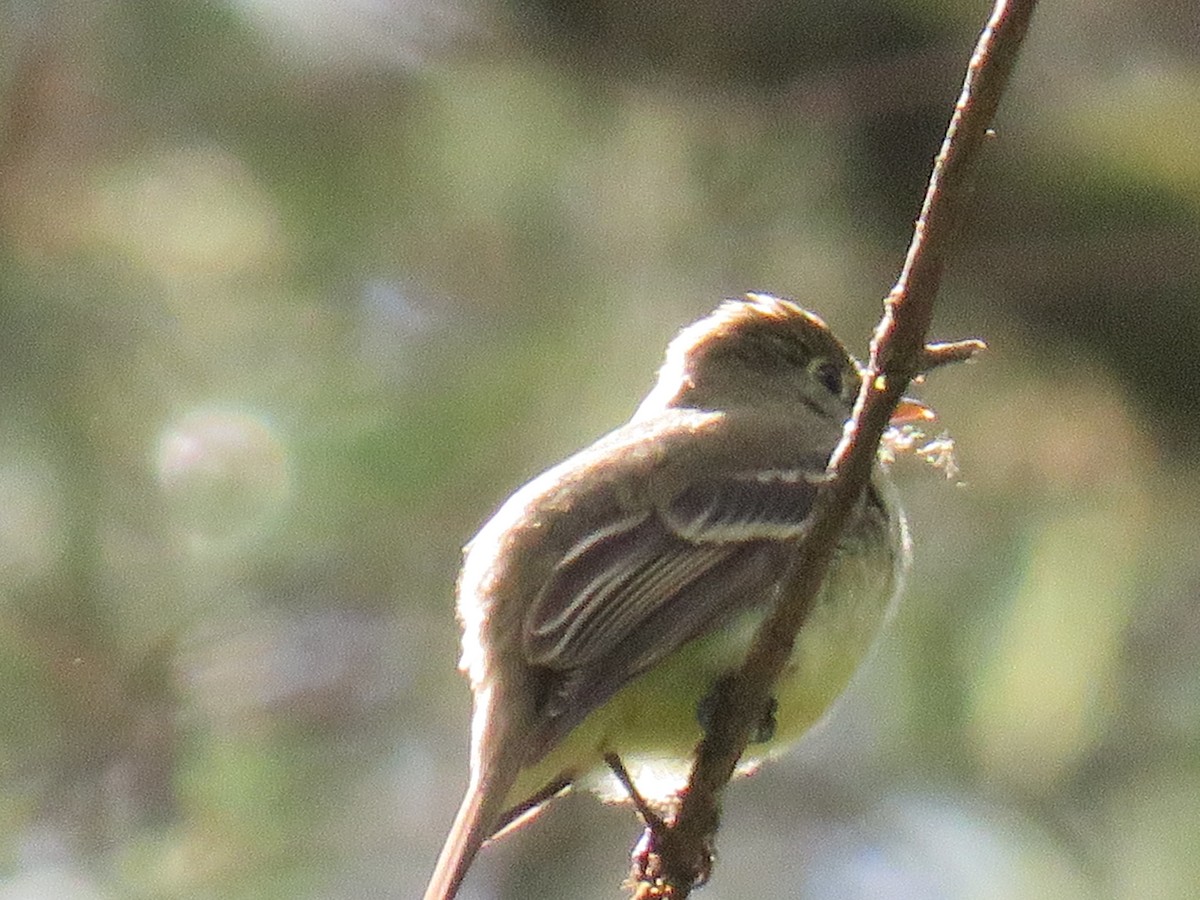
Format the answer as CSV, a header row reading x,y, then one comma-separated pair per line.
x,y
829,375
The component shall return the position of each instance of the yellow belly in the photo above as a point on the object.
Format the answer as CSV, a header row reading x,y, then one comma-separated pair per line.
x,y
652,723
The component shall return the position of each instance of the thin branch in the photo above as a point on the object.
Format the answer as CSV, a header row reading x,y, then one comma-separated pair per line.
x,y
653,820
898,354
943,354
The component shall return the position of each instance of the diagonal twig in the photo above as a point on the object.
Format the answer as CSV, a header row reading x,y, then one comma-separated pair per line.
x,y
898,354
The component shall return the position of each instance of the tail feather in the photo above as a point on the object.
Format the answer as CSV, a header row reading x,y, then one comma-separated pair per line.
x,y
472,826
496,761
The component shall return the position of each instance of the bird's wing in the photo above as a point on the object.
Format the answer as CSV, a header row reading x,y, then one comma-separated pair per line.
x,y
624,574
770,504
631,592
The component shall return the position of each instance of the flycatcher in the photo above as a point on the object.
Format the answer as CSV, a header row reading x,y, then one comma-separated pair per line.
x,y
607,597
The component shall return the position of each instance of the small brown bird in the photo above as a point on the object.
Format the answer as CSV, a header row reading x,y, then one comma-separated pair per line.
x,y
605,599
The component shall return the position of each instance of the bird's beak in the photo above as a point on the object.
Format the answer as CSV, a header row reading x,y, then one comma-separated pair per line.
x,y
912,412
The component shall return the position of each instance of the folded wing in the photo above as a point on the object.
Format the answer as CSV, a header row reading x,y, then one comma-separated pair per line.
x,y
634,590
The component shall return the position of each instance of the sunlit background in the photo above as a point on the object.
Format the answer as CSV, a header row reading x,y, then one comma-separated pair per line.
x,y
292,294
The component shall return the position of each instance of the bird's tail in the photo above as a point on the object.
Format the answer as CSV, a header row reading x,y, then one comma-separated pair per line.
x,y
497,754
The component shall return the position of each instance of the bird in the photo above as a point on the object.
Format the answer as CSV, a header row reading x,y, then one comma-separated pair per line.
x,y
606,599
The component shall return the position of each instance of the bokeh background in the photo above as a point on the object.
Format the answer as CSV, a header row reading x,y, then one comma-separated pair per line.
x,y
292,294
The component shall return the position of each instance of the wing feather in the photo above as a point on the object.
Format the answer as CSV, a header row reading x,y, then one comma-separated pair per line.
x,y
600,593
623,574
772,504
630,592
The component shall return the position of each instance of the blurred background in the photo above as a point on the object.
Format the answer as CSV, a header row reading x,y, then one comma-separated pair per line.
x,y
292,294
